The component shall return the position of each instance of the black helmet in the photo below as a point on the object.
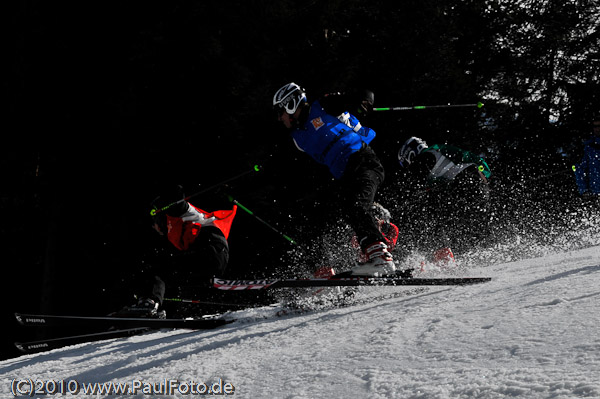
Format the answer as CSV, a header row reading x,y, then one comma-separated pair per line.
x,y
409,150
171,200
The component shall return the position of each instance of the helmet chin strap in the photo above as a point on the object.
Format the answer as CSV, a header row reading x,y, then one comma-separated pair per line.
x,y
295,122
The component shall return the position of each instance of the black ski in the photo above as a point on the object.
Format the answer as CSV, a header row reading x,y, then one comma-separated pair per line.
x,y
118,322
53,343
240,285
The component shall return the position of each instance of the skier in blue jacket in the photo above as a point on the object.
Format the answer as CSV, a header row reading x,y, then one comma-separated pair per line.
x,y
587,172
341,143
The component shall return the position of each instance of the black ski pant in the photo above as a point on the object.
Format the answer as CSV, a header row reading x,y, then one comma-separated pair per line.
x,y
207,256
362,177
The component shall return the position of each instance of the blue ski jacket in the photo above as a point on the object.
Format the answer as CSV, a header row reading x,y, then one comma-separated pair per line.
x,y
329,140
587,172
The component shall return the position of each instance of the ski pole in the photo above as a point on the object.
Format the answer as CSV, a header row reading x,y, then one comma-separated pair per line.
x,y
154,212
198,302
260,220
478,105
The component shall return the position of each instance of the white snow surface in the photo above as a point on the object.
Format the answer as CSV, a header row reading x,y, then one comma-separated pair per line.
x,y
532,332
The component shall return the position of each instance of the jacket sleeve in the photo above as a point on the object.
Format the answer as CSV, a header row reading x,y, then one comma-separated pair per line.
x,y
183,230
176,232
355,101
335,104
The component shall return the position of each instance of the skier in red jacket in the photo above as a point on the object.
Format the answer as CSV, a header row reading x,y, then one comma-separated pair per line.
x,y
200,239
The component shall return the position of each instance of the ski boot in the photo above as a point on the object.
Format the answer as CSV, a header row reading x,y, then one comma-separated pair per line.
x,y
379,262
441,259
324,272
444,258
144,308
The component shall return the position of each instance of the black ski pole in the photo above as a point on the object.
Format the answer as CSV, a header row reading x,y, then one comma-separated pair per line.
x,y
260,220
155,211
417,107
199,302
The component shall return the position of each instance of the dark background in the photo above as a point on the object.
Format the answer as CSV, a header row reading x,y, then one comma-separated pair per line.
x,y
104,102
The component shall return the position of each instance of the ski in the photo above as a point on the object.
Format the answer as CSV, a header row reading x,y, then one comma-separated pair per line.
x,y
239,285
54,343
118,322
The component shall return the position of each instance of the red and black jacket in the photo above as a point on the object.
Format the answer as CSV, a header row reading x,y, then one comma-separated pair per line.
x,y
183,230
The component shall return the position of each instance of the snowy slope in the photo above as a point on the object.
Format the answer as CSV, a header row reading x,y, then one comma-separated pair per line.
x,y
533,332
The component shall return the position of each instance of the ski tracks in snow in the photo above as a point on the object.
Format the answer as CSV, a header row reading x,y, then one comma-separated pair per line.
x,y
531,332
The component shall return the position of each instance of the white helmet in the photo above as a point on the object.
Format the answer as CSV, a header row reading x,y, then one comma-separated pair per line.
x,y
409,150
289,98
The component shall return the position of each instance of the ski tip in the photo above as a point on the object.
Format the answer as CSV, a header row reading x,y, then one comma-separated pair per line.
x,y
30,319
29,348
19,318
22,347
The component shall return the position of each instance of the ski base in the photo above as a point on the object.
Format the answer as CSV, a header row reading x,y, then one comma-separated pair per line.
x,y
54,343
118,322
121,327
336,281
